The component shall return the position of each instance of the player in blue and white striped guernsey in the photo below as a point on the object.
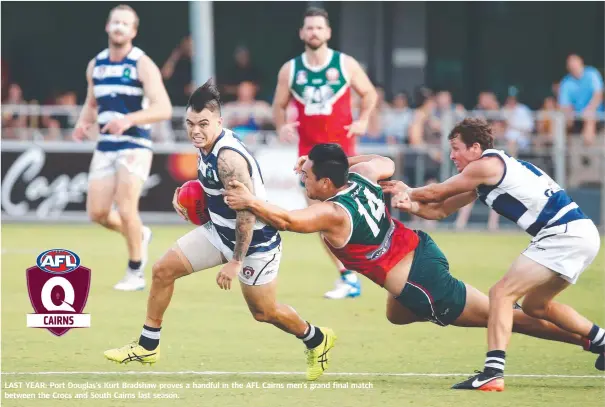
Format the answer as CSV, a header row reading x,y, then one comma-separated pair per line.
x,y
125,95
565,241
244,246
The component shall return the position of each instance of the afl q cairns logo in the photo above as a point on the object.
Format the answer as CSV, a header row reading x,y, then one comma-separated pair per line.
x,y
58,289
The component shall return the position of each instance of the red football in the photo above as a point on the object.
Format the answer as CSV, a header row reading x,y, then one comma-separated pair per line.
x,y
193,199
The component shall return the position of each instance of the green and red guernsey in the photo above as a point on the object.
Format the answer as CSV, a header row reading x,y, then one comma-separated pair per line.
x,y
377,242
322,97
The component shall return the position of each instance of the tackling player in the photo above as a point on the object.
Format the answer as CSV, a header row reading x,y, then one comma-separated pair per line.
x,y
246,247
320,82
565,241
119,79
356,226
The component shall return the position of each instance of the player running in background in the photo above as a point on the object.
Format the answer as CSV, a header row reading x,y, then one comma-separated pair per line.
x,y
320,82
357,227
565,241
246,247
119,79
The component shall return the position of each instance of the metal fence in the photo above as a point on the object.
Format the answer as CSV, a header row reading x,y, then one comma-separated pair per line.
x,y
58,187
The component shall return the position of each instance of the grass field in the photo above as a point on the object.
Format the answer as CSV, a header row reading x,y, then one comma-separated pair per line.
x,y
210,331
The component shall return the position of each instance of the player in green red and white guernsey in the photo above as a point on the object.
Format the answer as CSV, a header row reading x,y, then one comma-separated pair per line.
x,y
359,230
319,82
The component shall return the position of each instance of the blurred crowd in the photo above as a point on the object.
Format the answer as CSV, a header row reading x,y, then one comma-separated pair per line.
x,y
399,118
418,120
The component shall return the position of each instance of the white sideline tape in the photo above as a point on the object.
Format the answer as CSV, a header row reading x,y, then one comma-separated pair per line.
x,y
212,373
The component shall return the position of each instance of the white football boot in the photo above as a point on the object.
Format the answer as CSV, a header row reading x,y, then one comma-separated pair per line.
x,y
134,280
347,286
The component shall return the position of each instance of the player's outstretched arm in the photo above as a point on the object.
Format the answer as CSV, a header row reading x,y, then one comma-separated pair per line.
x,y
88,115
486,171
435,210
160,107
373,167
321,217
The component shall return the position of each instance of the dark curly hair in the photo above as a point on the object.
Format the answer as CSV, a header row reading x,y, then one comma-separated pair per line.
x,y
473,130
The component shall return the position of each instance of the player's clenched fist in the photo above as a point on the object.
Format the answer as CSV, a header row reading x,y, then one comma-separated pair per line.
x,y
357,128
402,201
177,206
393,187
80,132
287,133
237,196
401,198
299,163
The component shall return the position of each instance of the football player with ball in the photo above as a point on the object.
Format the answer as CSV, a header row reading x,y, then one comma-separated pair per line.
x,y
244,246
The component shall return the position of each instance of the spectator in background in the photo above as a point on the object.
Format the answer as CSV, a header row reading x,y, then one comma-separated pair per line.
x,y
555,89
398,118
247,115
242,71
519,124
65,118
424,132
14,124
444,103
5,73
376,131
489,108
424,128
582,93
177,72
445,106
545,124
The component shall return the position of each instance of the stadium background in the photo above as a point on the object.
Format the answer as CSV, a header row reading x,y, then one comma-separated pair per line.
x,y
414,51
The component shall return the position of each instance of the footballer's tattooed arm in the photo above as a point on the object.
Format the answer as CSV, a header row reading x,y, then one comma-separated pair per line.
x,y
233,166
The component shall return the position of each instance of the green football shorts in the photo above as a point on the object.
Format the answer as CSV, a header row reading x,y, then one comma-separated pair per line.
x,y
431,292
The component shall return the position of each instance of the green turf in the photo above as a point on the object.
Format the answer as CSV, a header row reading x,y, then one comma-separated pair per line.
x,y
207,329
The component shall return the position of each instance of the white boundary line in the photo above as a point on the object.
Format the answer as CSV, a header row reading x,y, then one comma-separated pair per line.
x,y
212,373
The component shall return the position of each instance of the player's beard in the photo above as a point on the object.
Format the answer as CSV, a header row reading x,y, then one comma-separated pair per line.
x,y
123,40
314,46
118,44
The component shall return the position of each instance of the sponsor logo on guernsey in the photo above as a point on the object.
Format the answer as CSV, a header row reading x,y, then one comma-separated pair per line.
x,y
301,78
384,246
333,76
211,177
126,75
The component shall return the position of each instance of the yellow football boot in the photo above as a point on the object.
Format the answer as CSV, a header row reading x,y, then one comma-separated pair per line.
x,y
318,357
133,352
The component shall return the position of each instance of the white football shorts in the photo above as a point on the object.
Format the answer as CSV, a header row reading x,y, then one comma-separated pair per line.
x,y
204,249
136,160
566,249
